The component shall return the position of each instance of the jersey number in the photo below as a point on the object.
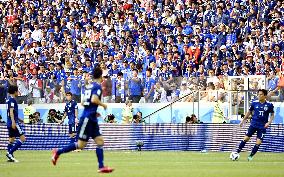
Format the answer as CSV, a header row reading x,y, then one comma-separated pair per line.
x,y
261,113
87,97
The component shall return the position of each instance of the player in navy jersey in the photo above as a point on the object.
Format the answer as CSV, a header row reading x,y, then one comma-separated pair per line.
x,y
14,129
88,125
260,111
71,110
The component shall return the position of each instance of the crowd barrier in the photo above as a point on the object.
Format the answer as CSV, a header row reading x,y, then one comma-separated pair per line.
x,y
185,137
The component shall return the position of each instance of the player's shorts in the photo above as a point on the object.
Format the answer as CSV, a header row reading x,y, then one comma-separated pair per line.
x,y
15,132
72,128
88,129
260,132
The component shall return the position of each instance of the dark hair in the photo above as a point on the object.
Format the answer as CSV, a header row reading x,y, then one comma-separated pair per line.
x,y
51,110
149,69
12,89
97,73
140,113
69,93
188,118
109,118
120,73
263,91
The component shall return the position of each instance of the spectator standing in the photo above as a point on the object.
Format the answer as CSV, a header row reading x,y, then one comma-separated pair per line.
x,y
149,86
119,88
23,88
135,87
75,88
160,95
3,90
106,89
35,87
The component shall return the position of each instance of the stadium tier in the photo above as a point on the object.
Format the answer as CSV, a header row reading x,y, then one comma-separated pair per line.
x,y
145,48
135,75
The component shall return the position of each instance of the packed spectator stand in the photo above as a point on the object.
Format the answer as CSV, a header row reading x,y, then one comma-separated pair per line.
x,y
156,49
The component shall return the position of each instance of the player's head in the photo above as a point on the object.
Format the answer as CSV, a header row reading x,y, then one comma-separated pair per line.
x,y
13,90
97,74
262,93
69,96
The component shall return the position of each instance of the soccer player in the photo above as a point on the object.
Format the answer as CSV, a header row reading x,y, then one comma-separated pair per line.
x,y
14,129
260,110
71,110
88,125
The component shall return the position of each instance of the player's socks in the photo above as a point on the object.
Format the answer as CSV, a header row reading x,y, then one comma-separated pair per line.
x,y
250,158
11,158
72,140
254,149
69,148
10,146
100,156
16,146
241,146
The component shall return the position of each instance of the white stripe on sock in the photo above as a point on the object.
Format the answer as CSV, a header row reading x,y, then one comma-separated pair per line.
x,y
19,128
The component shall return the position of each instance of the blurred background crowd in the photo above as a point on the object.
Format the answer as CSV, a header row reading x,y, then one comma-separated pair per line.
x,y
149,50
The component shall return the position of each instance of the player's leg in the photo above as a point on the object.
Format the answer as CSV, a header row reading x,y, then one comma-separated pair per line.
x,y
18,132
9,147
75,137
72,137
83,138
100,155
99,140
82,142
12,137
72,146
99,150
72,133
250,132
243,143
10,143
260,136
18,144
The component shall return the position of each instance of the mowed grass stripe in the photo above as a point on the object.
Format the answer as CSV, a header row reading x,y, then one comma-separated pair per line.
x,y
143,164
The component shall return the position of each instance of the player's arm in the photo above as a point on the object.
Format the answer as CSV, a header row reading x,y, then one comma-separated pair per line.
x,y
63,118
95,99
57,120
270,120
248,114
11,111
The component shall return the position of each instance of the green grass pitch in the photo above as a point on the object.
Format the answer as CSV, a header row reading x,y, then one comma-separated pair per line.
x,y
136,164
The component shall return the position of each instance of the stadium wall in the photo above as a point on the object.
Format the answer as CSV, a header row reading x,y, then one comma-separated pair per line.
x,y
175,115
185,137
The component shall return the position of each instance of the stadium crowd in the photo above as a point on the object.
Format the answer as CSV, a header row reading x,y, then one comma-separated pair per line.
x,y
156,49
